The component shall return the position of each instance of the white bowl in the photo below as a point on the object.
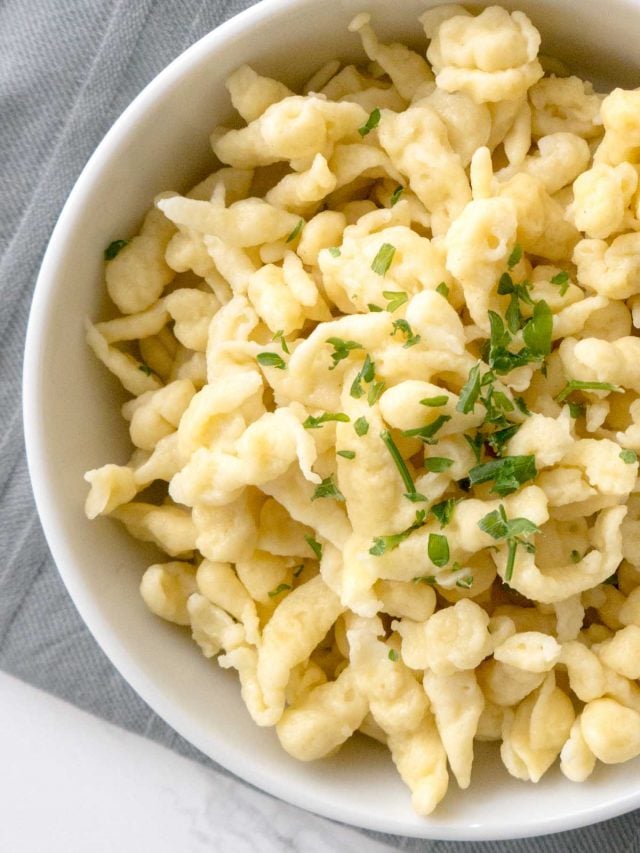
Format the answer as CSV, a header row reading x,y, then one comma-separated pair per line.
x,y
72,421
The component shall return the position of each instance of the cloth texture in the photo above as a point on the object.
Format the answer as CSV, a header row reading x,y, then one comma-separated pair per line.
x,y
68,68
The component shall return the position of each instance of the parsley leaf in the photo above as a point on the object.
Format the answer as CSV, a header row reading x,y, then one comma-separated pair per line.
x,y
365,374
515,256
296,231
426,433
440,400
114,248
334,251
382,544
327,489
537,331
341,350
575,556
579,385
438,549
403,327
443,511
562,280
629,456
315,546
361,426
144,367
470,391
316,421
509,473
437,464
396,299
271,359
346,454
382,261
372,122
375,309
443,290
499,527
393,655
279,336
400,464
395,195
280,588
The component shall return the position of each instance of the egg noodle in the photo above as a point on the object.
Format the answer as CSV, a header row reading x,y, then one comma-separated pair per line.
x,y
386,361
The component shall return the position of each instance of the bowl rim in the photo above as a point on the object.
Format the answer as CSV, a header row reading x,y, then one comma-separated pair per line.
x,y
45,498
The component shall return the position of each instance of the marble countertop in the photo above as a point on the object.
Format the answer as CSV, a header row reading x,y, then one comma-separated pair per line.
x,y
72,783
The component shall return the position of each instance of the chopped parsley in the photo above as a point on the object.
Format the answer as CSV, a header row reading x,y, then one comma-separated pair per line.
x,y
315,546
629,456
315,422
427,433
382,261
346,454
114,248
443,290
515,256
576,410
470,391
578,385
403,327
400,464
144,367
438,549
537,330
562,280
440,400
341,350
499,527
508,473
271,359
366,374
575,556
374,392
429,579
279,336
280,588
437,464
395,298
476,443
296,231
395,195
465,582
361,426
443,511
372,122
328,489
393,655
334,251
382,544
375,309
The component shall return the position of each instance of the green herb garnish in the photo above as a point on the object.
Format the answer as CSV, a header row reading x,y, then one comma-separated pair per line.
x,y
537,331
296,231
470,391
578,385
366,374
575,556
316,421
298,570
400,464
114,248
427,433
438,549
429,579
271,359
629,456
375,309
341,350
515,256
403,327
280,588
434,402
279,336
334,251
509,473
361,426
315,546
144,367
383,259
443,511
395,195
562,280
395,298
437,464
346,454
382,544
327,489
443,289
499,527
372,122
393,655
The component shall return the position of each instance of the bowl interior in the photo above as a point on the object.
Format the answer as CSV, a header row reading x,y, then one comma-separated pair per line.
x,y
72,421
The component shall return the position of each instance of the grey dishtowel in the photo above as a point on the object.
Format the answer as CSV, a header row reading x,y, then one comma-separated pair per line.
x,y
68,68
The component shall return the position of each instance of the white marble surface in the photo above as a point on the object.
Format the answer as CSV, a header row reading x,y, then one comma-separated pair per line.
x,y
72,783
